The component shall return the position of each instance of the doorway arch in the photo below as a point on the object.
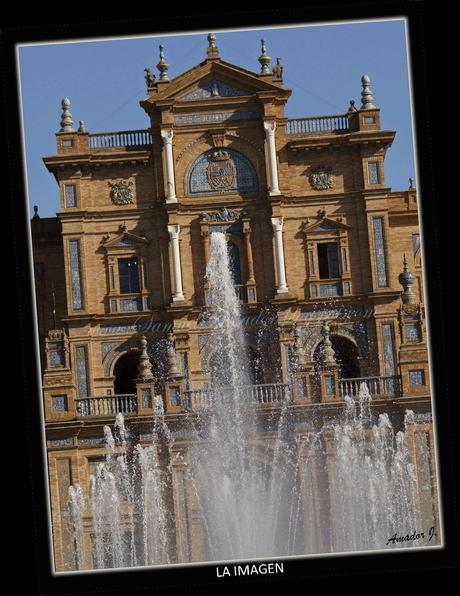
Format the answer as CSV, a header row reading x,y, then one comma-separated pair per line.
x,y
346,356
125,371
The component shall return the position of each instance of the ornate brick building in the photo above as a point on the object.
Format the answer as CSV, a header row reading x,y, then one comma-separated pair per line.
x,y
326,263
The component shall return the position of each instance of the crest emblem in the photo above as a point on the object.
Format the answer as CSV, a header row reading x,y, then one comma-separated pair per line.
x,y
122,193
321,178
221,171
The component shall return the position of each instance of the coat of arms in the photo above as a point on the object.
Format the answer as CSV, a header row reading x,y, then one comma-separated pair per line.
x,y
321,178
221,170
122,193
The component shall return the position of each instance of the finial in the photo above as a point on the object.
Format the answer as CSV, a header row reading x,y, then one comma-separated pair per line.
x,y
66,117
367,98
81,127
411,183
328,350
277,70
213,51
149,78
407,280
264,59
163,66
144,366
35,215
352,107
173,368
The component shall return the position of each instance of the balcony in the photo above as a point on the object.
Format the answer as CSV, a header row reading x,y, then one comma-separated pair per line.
x,y
106,405
265,394
378,387
125,139
336,124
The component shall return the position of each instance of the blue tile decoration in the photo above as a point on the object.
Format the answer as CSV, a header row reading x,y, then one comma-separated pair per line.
x,y
70,193
380,252
245,179
334,289
388,349
416,377
130,304
373,172
59,404
330,384
75,274
214,89
412,332
56,358
82,371
146,397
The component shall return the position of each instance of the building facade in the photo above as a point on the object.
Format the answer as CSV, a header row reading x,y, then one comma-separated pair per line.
x,y
326,263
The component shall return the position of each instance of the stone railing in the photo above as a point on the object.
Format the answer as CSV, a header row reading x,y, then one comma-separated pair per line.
x,y
106,405
379,387
319,124
122,139
270,393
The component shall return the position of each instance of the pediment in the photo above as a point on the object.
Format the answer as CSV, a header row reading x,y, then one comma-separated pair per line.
x,y
214,79
124,240
326,224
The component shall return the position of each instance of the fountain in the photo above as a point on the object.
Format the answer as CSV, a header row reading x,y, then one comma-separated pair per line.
x,y
337,485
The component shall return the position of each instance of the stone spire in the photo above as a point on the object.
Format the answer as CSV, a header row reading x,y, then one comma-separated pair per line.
x,y
328,351
212,51
66,118
162,66
264,60
144,366
35,215
407,280
367,99
299,351
173,367
82,126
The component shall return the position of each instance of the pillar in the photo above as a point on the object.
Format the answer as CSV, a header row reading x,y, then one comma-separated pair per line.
x,y
167,136
174,231
277,223
270,128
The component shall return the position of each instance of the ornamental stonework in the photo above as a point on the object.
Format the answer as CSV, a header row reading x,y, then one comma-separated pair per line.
x,y
321,178
122,192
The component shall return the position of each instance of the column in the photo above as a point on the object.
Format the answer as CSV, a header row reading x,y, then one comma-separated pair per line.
x,y
277,223
247,244
167,136
270,128
174,231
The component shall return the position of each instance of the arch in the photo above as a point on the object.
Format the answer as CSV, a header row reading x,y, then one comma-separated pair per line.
x,y
232,172
125,371
346,356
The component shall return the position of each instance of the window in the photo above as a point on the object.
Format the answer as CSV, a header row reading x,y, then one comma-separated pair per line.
x,y
128,270
235,265
328,260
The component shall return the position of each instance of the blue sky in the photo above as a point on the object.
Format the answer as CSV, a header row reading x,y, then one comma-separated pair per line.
x,y
104,80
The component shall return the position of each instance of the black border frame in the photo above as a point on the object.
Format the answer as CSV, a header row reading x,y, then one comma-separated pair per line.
x,y
32,549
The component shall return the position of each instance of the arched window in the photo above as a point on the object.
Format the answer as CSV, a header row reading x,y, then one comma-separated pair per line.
x,y
221,171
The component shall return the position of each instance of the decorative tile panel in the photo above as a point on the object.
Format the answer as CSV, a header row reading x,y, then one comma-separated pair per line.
x,y
373,172
412,332
75,274
59,404
130,304
380,252
388,349
82,371
329,383
326,290
244,180
416,377
56,358
70,194
146,397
